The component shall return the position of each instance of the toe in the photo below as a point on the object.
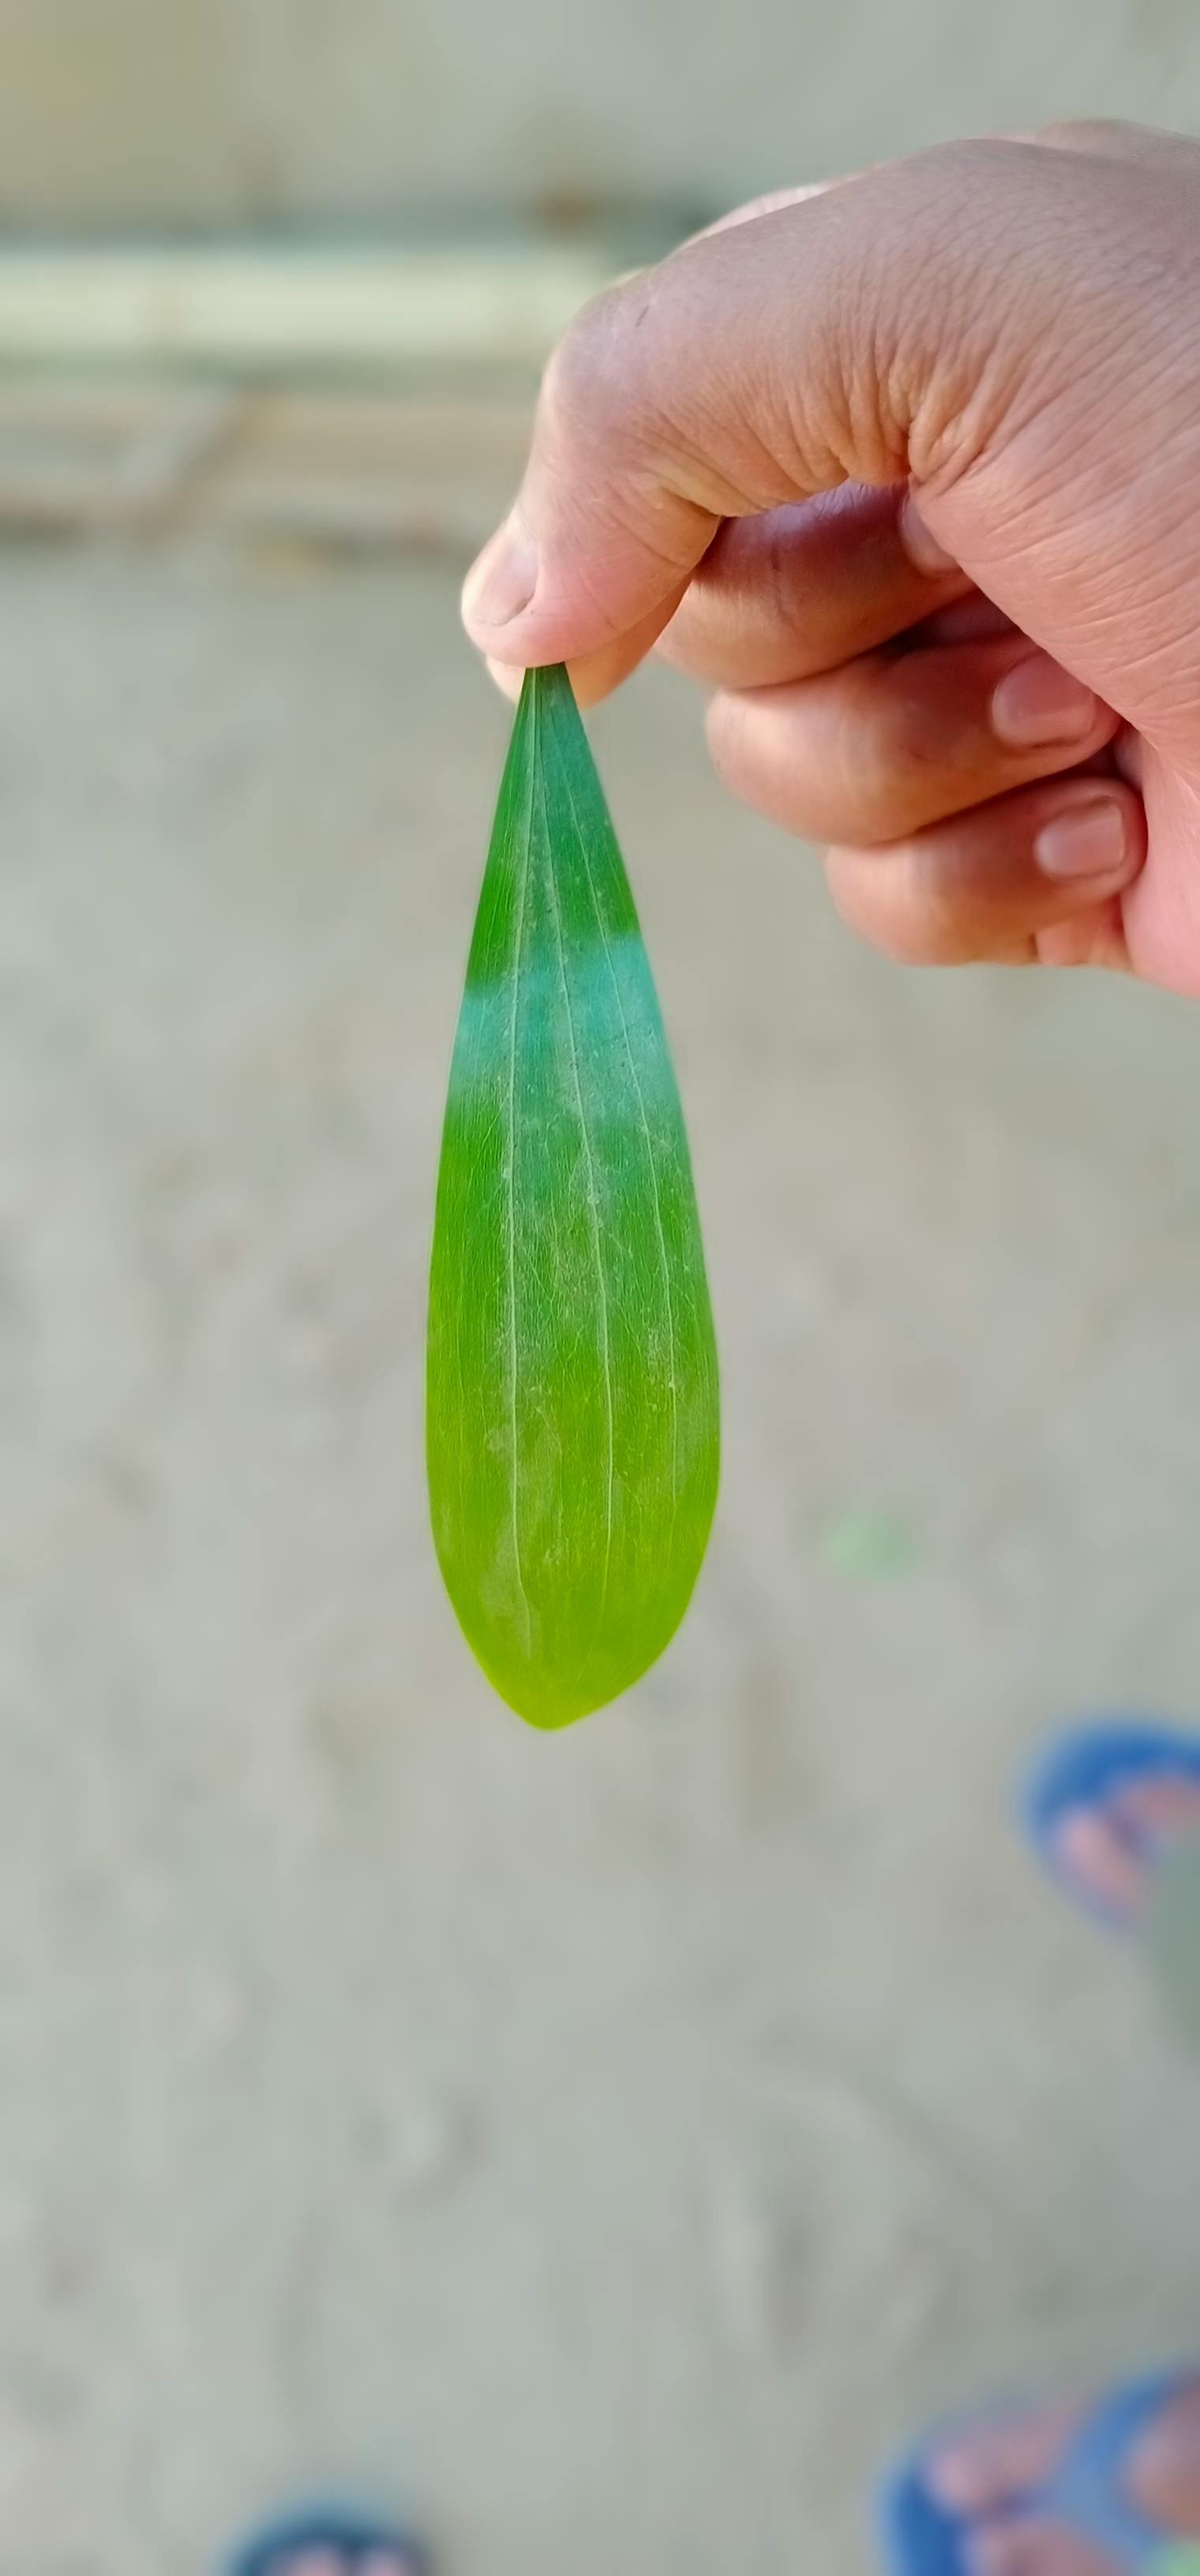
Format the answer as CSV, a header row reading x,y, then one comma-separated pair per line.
x,y
381,2560
1163,2474
996,2462
1096,1853
1167,1802
1028,2547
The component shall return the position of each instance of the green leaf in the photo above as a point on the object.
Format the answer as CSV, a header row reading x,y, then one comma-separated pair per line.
x,y
572,1418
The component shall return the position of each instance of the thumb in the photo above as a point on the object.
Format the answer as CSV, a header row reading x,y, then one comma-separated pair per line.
x,y
896,324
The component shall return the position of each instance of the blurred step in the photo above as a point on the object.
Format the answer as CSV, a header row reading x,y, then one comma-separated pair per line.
x,y
411,472
250,311
401,470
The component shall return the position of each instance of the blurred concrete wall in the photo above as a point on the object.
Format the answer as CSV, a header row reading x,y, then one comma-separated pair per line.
x,y
211,111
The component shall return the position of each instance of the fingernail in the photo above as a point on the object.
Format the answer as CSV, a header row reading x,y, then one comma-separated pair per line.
x,y
503,580
919,542
1038,702
1086,841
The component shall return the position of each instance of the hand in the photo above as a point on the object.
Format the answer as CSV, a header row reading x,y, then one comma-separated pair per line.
x,y
908,471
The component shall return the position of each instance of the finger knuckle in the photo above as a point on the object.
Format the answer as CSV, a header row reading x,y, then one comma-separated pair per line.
x,y
590,381
725,732
945,907
892,900
758,764
879,777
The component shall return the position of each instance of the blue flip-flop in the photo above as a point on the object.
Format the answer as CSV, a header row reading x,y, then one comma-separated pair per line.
x,y
918,2537
351,2536
1082,1768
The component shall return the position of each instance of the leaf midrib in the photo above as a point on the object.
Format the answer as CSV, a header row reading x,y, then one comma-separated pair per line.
x,y
594,1211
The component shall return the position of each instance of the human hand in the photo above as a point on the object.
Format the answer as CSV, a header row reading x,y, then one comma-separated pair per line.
x,y
907,470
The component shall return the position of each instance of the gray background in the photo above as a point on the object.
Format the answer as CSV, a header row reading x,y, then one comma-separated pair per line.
x,y
609,2145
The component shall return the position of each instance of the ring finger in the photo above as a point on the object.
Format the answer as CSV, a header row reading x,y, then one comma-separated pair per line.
x,y
894,742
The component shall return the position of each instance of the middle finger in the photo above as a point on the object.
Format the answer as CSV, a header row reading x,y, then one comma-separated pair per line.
x,y
803,588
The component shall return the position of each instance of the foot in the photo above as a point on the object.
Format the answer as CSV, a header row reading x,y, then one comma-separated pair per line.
x,y
1106,1803
997,2480
1109,1851
331,2545
339,2562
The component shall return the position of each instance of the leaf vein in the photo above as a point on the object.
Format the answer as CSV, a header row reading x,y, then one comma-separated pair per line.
x,y
514,1364
646,1137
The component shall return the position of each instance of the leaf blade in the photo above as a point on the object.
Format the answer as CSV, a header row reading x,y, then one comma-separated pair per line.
x,y
572,1407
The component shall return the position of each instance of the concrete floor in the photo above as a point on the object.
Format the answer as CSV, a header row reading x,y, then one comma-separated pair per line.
x,y
605,2146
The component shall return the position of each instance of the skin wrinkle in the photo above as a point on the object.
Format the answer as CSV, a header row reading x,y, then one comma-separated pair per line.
x,y
1036,408
609,625
1145,628
778,594
935,404
761,476
632,502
